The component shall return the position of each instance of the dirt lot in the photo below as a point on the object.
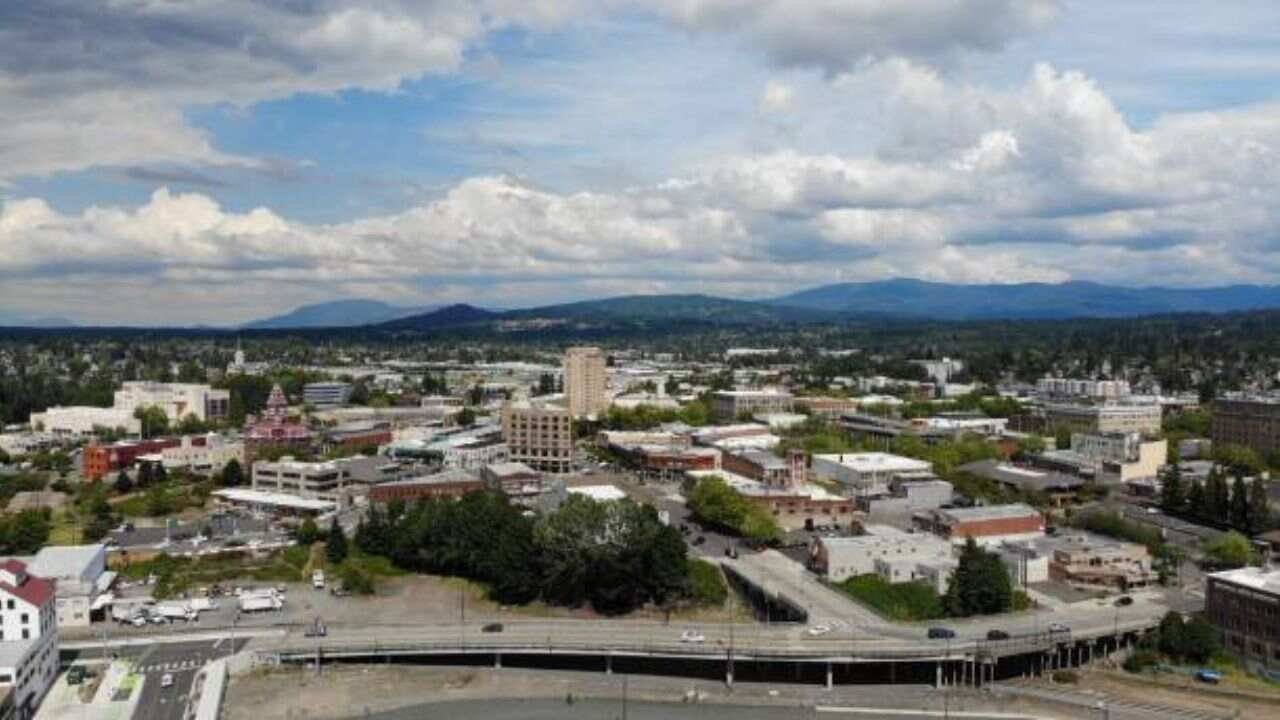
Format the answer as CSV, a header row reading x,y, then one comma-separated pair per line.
x,y
1253,700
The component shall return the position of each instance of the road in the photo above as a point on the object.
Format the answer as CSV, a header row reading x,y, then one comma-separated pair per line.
x,y
181,660
537,709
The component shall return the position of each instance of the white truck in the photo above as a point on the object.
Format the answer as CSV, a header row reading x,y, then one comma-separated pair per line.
x,y
174,611
202,604
260,603
317,579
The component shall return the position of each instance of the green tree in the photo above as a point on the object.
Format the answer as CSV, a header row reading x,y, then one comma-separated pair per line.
x,y
1239,504
153,420
1218,498
1197,502
336,544
123,484
307,533
1200,639
1231,550
1171,635
232,474
157,503
1172,498
980,584
1259,515
146,476
466,417
25,532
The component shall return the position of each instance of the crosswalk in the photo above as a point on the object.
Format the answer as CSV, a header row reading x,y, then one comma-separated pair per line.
x,y
1117,710
177,666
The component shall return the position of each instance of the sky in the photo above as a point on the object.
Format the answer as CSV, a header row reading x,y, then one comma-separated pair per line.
x,y
214,161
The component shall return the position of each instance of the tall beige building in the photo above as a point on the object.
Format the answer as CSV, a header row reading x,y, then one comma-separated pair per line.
x,y
584,381
538,435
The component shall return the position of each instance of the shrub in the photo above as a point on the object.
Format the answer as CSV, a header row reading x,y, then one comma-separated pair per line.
x,y
706,583
901,601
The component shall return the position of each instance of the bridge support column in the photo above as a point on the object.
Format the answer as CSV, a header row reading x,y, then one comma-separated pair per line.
x,y
830,679
497,661
937,674
728,674
608,664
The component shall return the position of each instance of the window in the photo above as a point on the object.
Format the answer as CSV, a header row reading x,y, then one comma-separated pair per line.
x,y
25,618
26,634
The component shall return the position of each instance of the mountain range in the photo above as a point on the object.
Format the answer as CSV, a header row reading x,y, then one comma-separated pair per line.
x,y
898,298
337,313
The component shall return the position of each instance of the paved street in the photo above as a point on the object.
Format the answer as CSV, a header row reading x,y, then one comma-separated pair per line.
x,y
181,660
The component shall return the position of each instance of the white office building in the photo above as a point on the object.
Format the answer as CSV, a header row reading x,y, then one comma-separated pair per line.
x,y
81,579
867,473
81,420
178,400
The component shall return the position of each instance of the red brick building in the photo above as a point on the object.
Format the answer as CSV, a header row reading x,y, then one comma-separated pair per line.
x,y
452,483
989,524
99,461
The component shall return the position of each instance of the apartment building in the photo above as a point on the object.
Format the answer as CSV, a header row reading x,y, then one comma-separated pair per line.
x,y
584,381
28,637
538,435
1051,387
728,405
178,400
1249,420
1244,604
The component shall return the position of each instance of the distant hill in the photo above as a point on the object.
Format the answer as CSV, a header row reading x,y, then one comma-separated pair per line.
x,y
337,313
449,316
7,320
917,298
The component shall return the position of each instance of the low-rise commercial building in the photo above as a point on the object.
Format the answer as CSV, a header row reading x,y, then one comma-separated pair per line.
x,y
82,421
729,405
1120,457
1095,561
840,558
867,474
448,484
515,480
311,480
1058,487
909,496
1244,605
81,580
326,394
178,400
1058,388
274,503
202,455
98,461
28,637
988,525
1112,417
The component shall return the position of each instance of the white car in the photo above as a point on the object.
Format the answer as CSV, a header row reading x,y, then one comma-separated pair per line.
x,y
166,680
817,630
692,636
1058,628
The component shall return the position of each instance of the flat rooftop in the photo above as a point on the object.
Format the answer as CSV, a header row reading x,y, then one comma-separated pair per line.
x,y
1254,578
865,462
989,512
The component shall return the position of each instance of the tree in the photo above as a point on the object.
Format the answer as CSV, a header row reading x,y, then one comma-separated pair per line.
x,y
123,484
146,476
980,584
157,503
232,474
1239,504
1171,493
1197,503
336,544
307,532
1231,550
1199,639
1171,635
1259,513
466,417
1218,498
153,419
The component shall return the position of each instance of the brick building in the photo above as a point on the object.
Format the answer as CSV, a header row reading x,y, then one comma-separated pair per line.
x,y
99,461
450,483
987,525
1249,420
1244,605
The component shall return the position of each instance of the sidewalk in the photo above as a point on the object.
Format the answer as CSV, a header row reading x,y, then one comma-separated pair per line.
x,y
115,699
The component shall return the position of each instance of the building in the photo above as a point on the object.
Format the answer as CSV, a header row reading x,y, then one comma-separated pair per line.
x,y
538,435
1142,418
1096,561
1026,562
15,444
1058,388
275,429
202,454
941,371
840,558
515,480
729,405
81,580
867,473
274,503
1244,604
358,436
1120,457
988,525
781,487
312,480
98,461
1058,487
28,637
828,407
1249,420
81,421
909,496
448,484
584,381
326,394
178,400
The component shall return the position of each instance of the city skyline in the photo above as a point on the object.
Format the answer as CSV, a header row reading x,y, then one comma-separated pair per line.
x,y
220,162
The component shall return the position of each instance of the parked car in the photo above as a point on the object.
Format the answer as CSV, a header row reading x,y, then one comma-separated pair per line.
x,y
941,633
1124,601
997,635
700,539
1058,628
1213,677
817,630
692,636
166,680
494,627
76,675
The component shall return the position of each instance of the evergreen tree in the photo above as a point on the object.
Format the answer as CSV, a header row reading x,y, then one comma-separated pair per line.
x,y
980,584
336,544
1218,498
1239,504
1171,493
123,484
158,473
146,476
232,475
1197,503
1259,507
307,532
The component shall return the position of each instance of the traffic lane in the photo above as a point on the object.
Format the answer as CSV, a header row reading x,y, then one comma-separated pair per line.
x,y
164,703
